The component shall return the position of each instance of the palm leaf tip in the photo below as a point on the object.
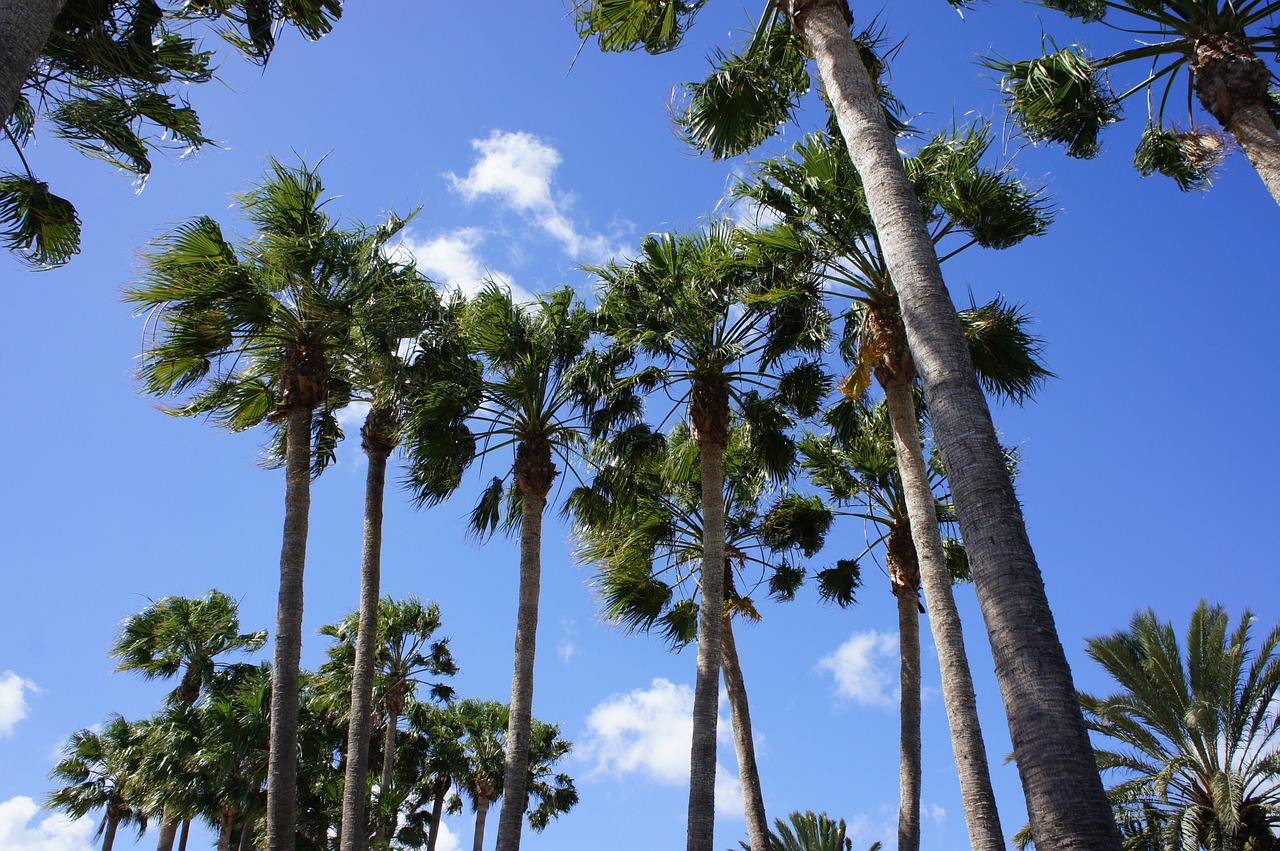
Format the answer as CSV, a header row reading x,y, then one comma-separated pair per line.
x,y
1190,157
657,26
1061,97
39,227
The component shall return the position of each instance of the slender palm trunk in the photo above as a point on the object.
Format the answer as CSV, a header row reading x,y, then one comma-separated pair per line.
x,y
168,831
743,741
482,815
282,767
186,833
437,810
516,771
706,692
26,25
355,788
1064,793
109,833
388,773
1253,128
902,570
246,835
978,797
225,826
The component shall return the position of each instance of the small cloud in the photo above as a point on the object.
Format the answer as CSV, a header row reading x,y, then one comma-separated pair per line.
x,y
934,813
351,418
447,840
568,647
13,701
862,668
54,832
729,794
453,260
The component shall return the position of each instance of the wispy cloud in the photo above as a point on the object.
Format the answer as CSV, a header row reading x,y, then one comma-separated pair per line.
x,y
13,701
454,261
517,170
568,646
648,732
54,832
863,668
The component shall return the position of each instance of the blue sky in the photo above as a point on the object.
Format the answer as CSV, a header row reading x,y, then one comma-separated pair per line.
x,y
1146,473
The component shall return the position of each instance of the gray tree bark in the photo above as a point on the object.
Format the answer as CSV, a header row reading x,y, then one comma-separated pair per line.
x,y
437,810
246,835
909,721
355,787
382,831
706,693
282,766
26,25
184,835
979,798
1253,128
482,815
516,771
744,742
109,834
168,832
1065,799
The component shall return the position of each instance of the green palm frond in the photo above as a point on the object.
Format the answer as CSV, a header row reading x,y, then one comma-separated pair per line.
x,y
1190,157
657,26
1006,357
39,227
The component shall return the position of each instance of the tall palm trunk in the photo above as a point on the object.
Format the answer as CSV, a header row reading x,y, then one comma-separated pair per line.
x,y
168,831
355,788
1254,129
437,810
1065,798
482,815
395,702
109,833
282,766
901,561
186,833
534,473
246,835
743,741
978,797
225,826
709,415
26,25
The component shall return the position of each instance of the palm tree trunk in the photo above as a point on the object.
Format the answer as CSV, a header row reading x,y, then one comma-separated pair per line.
x,y
355,788
26,25
909,720
706,692
109,833
743,741
388,772
482,814
1065,798
282,768
516,771
168,832
979,798
1253,128
246,835
182,837
437,810
225,825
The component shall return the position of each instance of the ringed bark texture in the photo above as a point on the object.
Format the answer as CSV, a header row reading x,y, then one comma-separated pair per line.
x,y
282,767
26,25
534,475
979,798
1065,800
354,789
706,694
1253,128
743,741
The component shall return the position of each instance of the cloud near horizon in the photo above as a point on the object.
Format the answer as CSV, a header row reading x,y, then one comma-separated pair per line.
x,y
54,832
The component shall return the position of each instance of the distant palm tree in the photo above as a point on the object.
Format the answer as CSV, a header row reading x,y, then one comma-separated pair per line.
x,y
99,771
1192,738
259,333
810,832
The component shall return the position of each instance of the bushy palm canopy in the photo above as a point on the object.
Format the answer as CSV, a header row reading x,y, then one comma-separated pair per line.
x,y
809,831
99,771
1191,740
109,80
1216,49
183,635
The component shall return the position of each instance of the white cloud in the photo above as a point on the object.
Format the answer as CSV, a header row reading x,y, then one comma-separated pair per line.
x,y
648,732
13,701
55,832
352,417
453,260
517,169
568,647
864,668
935,813
447,840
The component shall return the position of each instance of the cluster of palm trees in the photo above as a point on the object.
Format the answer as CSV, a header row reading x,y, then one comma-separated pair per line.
x,y
203,755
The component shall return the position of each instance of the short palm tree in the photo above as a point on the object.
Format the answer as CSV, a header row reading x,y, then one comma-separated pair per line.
x,y
1192,737
726,332
808,831
1216,50
750,95
99,771
545,391
181,635
405,653
259,333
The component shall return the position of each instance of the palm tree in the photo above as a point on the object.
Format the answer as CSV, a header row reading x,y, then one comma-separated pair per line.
x,y
432,378
545,390
100,772
639,521
1064,795
257,333
404,653
820,203
810,832
1192,737
718,323
182,635
1065,97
